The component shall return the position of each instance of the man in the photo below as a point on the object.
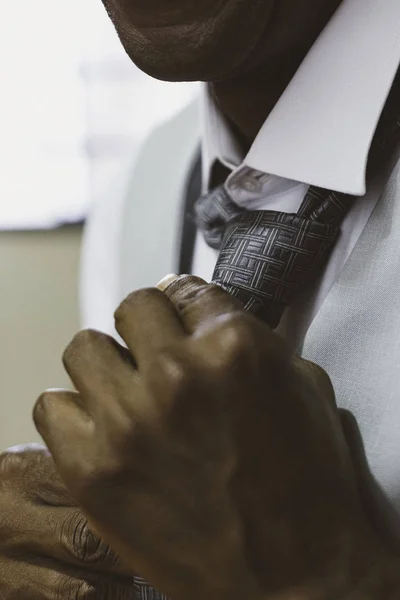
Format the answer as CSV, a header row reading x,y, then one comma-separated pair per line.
x,y
250,53
318,132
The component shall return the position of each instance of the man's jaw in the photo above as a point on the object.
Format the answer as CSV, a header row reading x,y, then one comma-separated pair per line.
x,y
161,13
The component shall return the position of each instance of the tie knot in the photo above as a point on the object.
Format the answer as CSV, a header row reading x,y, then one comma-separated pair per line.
x,y
212,212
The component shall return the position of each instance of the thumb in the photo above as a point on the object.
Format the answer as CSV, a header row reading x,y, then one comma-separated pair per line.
x,y
198,303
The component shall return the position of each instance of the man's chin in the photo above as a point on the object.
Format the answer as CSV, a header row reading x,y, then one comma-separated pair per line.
x,y
181,53
214,48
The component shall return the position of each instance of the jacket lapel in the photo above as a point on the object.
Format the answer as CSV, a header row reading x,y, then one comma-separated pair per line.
x,y
150,233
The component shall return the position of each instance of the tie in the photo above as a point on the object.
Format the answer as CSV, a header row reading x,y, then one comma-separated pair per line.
x,y
267,257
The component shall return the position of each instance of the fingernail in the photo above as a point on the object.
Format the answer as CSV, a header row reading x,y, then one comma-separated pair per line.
x,y
166,281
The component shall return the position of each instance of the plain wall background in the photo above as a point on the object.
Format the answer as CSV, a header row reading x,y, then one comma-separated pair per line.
x,y
38,317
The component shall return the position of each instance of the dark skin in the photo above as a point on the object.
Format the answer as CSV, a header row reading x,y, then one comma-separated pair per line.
x,y
215,461
47,550
247,50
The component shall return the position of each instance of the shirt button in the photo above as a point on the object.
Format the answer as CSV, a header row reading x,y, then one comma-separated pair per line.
x,y
251,185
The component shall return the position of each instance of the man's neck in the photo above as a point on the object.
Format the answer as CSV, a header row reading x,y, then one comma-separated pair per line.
x,y
247,101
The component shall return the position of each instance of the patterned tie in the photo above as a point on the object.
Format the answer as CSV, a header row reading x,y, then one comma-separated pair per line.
x,y
267,257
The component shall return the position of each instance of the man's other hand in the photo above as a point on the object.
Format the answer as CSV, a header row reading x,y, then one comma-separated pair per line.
x,y
209,456
47,551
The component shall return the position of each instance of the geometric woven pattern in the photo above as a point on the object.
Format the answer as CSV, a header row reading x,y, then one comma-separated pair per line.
x,y
143,591
212,212
267,256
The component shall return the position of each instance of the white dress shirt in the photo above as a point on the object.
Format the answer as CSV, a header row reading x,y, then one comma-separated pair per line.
x,y
319,133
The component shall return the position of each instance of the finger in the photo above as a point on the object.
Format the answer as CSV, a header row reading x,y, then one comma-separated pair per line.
x,y
98,367
198,303
27,581
63,534
147,321
34,466
167,280
67,429
31,582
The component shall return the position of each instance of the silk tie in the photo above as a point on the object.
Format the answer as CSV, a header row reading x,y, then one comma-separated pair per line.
x,y
267,257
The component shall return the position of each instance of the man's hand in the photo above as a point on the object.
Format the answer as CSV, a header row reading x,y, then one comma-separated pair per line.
x,y
211,458
47,551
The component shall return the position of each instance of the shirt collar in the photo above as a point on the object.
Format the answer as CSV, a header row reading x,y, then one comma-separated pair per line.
x,y
321,129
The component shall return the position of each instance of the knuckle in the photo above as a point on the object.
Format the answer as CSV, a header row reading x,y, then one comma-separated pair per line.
x,y
74,589
42,407
174,381
187,290
316,376
24,457
101,589
239,349
321,377
84,545
191,294
309,369
83,591
138,297
83,340
10,462
172,371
